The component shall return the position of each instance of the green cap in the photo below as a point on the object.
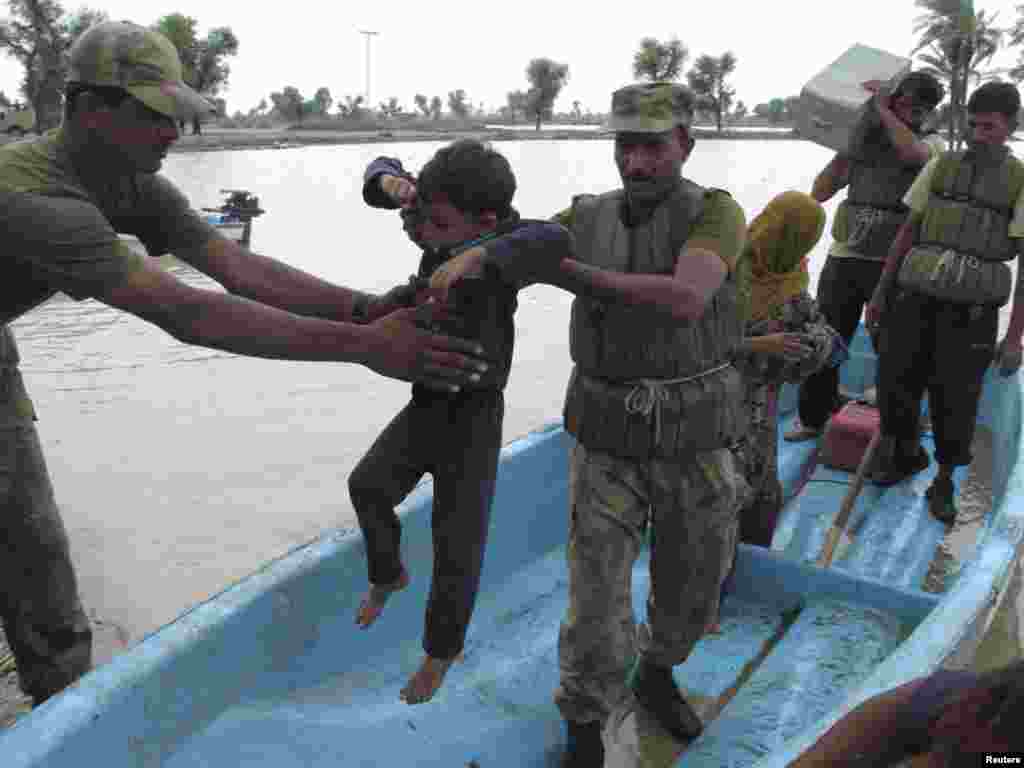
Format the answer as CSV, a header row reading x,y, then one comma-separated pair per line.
x,y
650,108
141,61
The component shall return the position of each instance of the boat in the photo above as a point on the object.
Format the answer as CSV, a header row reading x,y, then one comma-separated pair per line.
x,y
233,217
273,672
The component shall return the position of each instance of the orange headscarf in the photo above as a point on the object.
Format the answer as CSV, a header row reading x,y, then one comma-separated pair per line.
x,y
778,242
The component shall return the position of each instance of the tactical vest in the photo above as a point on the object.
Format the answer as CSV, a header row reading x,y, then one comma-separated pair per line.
x,y
873,212
645,386
963,240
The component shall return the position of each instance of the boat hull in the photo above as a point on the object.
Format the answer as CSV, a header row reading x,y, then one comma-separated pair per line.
x,y
272,672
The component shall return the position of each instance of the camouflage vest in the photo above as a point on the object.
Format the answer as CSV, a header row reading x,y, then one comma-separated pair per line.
x,y
873,211
963,239
646,386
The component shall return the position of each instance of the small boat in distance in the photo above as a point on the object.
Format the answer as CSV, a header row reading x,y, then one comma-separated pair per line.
x,y
233,218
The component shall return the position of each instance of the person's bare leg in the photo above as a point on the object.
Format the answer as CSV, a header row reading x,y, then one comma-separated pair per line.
x,y
372,605
426,680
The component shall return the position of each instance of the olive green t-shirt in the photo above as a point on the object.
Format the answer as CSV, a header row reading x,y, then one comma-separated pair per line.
x,y
60,233
721,221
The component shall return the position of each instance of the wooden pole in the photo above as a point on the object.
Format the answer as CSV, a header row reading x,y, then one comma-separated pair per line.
x,y
832,537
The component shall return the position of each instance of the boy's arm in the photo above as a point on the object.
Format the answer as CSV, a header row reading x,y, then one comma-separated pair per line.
x,y
374,193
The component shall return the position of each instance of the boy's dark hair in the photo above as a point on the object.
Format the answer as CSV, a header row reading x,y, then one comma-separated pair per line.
x,y
996,96
471,176
925,87
111,95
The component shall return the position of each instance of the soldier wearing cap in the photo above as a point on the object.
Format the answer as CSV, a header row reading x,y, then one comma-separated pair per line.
x,y
63,198
653,403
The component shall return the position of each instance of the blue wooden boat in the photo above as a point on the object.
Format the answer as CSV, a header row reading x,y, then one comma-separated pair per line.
x,y
272,671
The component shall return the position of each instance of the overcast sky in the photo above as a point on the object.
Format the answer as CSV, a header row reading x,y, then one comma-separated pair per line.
x,y
437,46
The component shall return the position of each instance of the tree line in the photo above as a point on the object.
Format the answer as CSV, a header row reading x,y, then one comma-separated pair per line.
x,y
955,43
39,35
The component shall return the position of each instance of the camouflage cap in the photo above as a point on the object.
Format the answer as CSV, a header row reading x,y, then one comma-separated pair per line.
x,y
141,61
650,108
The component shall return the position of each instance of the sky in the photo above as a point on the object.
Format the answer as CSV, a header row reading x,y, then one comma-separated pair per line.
x,y
483,47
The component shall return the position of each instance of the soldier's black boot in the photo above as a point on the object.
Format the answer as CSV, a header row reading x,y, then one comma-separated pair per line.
x,y
655,689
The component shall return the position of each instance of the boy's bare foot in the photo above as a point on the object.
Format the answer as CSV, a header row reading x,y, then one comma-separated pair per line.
x,y
372,604
427,679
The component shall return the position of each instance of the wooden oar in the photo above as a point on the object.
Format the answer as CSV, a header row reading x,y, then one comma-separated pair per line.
x,y
832,537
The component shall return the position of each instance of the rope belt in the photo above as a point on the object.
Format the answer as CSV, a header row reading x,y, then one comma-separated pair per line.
x,y
647,395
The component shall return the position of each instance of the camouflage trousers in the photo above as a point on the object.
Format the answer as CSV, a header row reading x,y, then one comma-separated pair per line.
x,y
690,507
46,628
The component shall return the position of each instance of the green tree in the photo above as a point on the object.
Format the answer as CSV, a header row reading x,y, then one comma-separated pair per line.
x,y
183,33
39,34
352,108
4,101
457,104
435,107
322,100
957,43
657,62
708,81
518,103
288,103
391,108
422,104
547,78
203,59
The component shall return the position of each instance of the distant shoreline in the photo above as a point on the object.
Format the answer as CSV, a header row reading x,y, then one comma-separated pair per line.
x,y
221,139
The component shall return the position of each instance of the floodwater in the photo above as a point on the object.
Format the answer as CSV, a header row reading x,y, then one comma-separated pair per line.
x,y
180,470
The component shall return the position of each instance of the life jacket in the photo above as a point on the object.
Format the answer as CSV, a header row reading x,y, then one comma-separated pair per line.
x,y
963,240
644,385
873,212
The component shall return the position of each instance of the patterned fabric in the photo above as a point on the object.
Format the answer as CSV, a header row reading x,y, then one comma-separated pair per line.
x,y
690,508
651,108
798,315
141,61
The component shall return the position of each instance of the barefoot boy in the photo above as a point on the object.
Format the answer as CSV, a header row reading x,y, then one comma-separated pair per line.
x,y
459,208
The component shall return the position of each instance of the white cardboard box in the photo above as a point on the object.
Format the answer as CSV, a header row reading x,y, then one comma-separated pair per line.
x,y
832,102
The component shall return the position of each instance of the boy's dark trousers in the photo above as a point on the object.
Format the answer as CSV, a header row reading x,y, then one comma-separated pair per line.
x,y
457,439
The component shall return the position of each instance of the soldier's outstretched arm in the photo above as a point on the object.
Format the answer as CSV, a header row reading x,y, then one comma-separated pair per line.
x,y
392,346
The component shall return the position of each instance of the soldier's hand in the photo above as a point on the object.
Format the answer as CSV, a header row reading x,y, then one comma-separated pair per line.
x,y
399,349
1008,357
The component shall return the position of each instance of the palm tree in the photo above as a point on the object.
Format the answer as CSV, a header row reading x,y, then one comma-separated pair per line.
x,y
957,42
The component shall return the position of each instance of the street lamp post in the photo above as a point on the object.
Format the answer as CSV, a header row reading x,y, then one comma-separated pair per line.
x,y
368,34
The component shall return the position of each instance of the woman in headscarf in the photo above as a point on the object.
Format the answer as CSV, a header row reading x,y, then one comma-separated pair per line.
x,y
787,339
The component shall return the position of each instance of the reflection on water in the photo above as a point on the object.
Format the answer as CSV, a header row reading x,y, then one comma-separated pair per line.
x,y
180,469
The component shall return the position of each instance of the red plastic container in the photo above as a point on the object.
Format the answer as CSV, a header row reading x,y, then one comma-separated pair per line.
x,y
848,435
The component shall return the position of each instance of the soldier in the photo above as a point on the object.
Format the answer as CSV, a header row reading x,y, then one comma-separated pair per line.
x,y
940,293
878,174
653,404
